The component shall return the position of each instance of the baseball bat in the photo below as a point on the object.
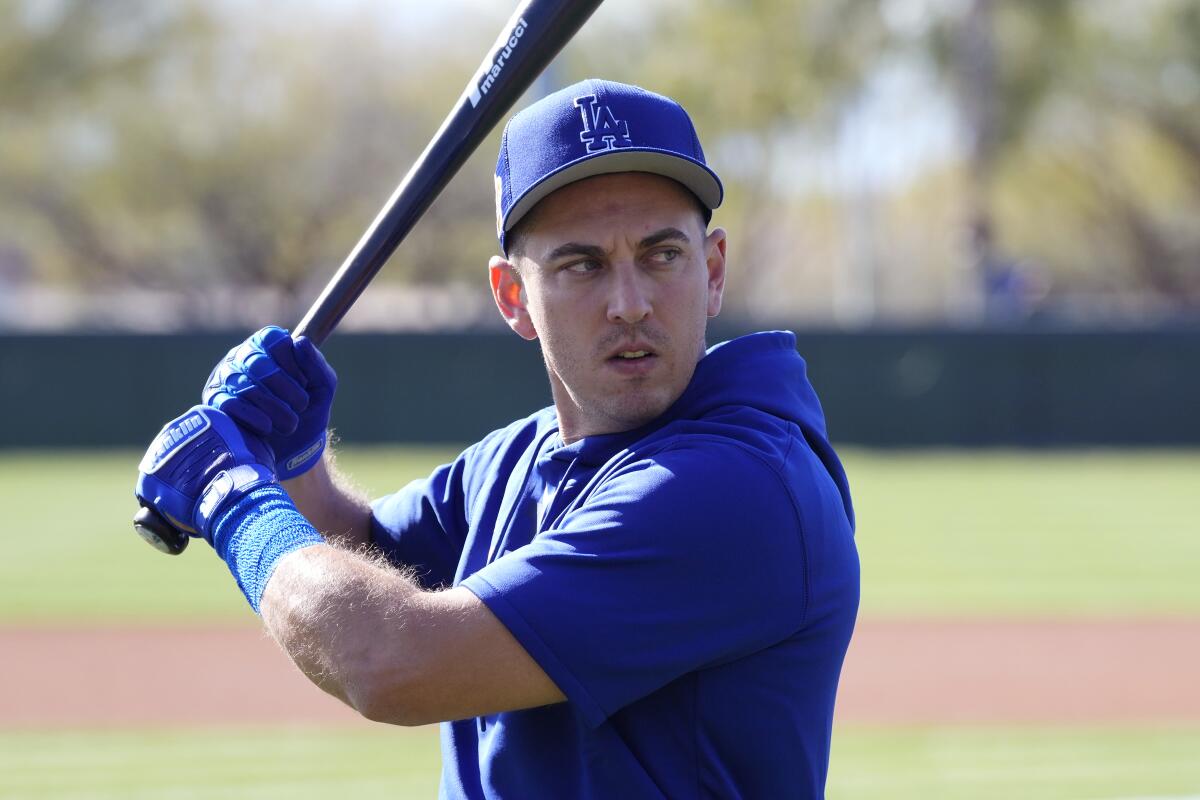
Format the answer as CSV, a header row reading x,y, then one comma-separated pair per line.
x,y
531,38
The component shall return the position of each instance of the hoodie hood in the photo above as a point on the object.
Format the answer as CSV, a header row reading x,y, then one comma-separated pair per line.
x,y
762,371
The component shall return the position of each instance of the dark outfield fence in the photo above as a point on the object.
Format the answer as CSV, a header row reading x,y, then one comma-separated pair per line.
x,y
888,389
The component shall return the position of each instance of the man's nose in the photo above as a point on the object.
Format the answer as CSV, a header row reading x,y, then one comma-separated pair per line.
x,y
629,295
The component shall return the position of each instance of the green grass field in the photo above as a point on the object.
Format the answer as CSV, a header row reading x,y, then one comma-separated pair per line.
x,y
868,764
72,555
951,534
948,534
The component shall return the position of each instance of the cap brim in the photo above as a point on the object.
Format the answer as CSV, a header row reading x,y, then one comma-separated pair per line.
x,y
696,177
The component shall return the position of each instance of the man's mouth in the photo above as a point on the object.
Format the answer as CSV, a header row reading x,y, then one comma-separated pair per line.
x,y
636,354
633,363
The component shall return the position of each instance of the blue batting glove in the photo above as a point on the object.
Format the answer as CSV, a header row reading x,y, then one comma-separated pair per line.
x,y
281,389
199,465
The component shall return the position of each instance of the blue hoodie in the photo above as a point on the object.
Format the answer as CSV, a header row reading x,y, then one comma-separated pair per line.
x,y
691,587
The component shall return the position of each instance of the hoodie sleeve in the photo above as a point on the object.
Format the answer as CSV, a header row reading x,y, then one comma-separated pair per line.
x,y
684,560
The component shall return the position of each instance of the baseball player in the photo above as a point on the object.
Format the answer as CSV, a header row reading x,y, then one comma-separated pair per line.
x,y
645,590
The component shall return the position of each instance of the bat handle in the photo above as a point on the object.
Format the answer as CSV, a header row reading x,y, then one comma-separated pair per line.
x,y
159,533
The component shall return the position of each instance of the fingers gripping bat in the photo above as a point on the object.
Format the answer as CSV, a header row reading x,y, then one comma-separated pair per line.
x,y
535,33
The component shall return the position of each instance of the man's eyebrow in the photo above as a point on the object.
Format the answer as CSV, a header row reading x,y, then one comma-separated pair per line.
x,y
665,235
575,249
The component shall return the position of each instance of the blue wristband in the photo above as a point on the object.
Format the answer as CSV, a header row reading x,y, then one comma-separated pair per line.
x,y
255,532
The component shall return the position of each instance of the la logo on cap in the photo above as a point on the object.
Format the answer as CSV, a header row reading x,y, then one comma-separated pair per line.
x,y
601,128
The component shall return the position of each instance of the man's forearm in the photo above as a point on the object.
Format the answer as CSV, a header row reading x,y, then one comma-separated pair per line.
x,y
342,619
331,502
367,634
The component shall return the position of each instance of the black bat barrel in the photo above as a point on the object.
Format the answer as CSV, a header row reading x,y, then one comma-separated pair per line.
x,y
534,35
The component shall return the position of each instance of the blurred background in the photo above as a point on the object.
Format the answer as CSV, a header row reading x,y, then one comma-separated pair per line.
x,y
979,216
185,165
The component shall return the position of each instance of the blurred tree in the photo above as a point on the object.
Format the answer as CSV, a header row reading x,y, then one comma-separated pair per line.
x,y
189,144
51,53
161,145
1105,89
1148,102
58,64
1087,85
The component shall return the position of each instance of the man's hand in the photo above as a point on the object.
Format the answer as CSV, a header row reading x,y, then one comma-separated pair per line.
x,y
278,388
198,465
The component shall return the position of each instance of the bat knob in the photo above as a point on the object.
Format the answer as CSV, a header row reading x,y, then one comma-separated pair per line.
x,y
159,533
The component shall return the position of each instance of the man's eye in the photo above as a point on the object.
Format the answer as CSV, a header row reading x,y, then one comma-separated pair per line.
x,y
666,255
582,267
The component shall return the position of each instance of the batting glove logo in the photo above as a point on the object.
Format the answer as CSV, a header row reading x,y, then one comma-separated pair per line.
x,y
173,437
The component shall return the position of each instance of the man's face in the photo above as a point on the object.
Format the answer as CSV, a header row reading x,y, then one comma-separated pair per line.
x,y
617,277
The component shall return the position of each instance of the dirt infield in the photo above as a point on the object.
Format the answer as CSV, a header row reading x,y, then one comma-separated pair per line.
x,y
978,671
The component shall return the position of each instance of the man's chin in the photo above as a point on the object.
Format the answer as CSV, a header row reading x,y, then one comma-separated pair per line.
x,y
634,412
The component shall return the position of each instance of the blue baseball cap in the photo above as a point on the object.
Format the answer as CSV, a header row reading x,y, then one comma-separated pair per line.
x,y
592,128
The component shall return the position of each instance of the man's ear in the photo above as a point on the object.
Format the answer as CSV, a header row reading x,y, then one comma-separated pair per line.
x,y
714,256
509,294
